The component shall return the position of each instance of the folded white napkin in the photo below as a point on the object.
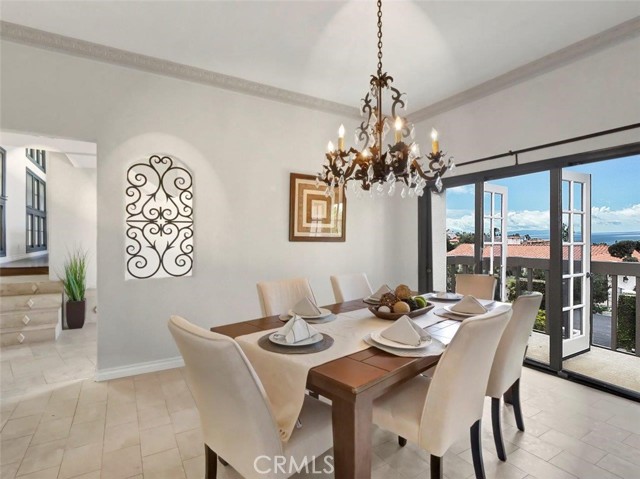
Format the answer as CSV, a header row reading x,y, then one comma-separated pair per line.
x,y
296,330
306,307
384,289
405,331
469,305
445,295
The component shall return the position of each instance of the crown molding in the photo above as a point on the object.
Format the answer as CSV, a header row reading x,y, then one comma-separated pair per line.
x,y
564,56
16,33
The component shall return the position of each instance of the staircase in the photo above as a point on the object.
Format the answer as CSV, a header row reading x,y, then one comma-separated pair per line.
x,y
30,311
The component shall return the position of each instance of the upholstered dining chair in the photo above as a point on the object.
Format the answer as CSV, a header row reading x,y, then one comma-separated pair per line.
x,y
235,414
434,412
277,297
504,379
350,286
481,286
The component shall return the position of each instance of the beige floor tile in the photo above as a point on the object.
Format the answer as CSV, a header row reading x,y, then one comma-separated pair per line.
x,y
153,416
190,443
23,426
31,407
121,390
182,400
88,412
157,439
194,467
121,436
52,430
633,440
89,475
166,464
120,413
86,433
9,471
532,444
59,408
81,460
12,450
185,420
579,467
619,467
41,457
68,391
49,473
617,448
122,463
494,467
538,467
576,447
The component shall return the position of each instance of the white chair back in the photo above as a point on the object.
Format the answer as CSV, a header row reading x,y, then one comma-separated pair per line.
x,y
237,421
347,287
455,398
481,286
507,365
277,297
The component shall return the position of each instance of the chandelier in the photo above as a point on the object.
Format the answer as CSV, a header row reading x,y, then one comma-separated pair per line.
x,y
374,167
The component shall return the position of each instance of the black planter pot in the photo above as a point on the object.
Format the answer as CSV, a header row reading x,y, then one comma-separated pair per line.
x,y
75,314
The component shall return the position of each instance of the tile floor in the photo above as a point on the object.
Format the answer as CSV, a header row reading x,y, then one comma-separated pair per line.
x,y
58,424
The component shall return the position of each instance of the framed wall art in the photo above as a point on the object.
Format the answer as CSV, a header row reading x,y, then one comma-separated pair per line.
x,y
315,215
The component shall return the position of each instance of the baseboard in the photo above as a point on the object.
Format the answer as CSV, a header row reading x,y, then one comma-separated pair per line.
x,y
139,368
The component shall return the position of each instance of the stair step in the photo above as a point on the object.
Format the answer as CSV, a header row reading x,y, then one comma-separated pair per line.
x,y
36,317
33,334
30,302
30,288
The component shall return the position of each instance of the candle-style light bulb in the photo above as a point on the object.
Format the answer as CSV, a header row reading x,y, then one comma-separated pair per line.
x,y
341,138
330,147
435,145
398,125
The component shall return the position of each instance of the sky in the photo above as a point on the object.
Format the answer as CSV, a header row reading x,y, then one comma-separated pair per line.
x,y
615,199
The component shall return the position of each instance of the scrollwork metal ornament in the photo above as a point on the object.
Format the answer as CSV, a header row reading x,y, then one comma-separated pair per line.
x,y
159,207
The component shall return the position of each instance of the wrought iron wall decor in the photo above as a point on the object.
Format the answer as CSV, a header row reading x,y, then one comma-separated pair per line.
x,y
159,237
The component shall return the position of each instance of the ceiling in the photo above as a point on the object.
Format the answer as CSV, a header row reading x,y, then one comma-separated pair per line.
x,y
433,49
81,154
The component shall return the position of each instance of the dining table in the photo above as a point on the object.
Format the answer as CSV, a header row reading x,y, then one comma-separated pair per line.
x,y
352,382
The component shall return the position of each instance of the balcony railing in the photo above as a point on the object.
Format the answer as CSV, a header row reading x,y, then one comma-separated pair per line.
x,y
619,332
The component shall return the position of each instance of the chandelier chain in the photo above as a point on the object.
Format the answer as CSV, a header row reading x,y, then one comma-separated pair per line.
x,y
379,37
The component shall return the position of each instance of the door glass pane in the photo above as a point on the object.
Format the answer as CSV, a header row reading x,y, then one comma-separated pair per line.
x,y
577,321
577,196
42,198
29,192
565,260
577,290
487,204
565,227
578,263
566,326
487,230
577,227
460,231
565,195
497,204
497,231
565,293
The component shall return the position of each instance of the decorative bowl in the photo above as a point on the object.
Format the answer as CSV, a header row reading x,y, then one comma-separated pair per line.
x,y
394,316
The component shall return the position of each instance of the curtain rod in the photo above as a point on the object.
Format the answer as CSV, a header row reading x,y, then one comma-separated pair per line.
x,y
549,145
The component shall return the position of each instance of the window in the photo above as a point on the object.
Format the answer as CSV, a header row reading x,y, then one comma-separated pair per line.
x,y
38,157
3,202
36,214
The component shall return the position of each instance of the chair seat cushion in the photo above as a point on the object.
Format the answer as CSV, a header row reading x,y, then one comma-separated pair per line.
x,y
400,410
315,437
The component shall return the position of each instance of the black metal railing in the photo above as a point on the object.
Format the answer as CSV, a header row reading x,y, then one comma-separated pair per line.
x,y
615,319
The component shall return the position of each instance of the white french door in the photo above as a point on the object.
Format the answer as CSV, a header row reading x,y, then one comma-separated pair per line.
x,y
576,262
494,234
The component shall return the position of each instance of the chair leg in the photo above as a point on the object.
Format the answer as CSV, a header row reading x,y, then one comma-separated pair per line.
x,y
476,449
211,463
402,441
223,462
314,394
497,428
517,407
436,467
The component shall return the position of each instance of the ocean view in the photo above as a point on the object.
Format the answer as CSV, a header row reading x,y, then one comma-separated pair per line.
x,y
600,237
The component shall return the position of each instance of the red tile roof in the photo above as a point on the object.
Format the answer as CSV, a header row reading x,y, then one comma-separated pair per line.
x,y
541,251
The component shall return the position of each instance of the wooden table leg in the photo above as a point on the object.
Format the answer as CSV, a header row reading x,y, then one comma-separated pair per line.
x,y
352,427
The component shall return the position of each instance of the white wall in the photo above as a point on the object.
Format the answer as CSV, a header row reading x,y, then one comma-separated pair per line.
x,y
71,213
595,93
16,216
241,150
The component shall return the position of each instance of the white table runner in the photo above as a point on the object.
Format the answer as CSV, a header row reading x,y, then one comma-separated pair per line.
x,y
284,376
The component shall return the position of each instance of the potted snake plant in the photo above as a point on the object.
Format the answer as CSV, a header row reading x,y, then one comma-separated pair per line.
x,y
74,282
